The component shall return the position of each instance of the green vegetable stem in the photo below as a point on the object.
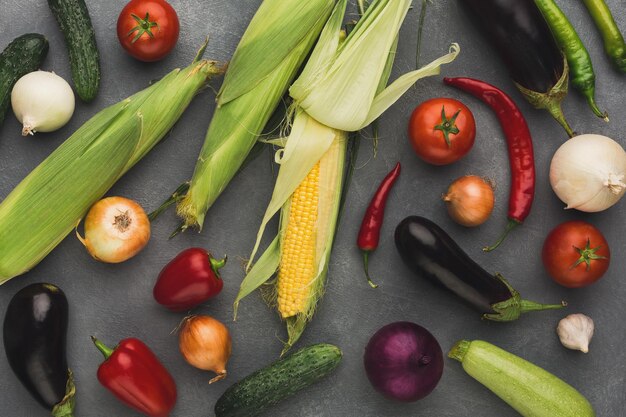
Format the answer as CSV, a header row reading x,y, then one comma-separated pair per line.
x,y
581,69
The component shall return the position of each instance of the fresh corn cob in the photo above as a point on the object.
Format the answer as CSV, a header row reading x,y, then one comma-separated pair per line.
x,y
342,88
48,204
297,269
265,62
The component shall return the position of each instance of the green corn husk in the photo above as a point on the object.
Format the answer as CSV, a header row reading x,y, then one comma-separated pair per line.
x,y
48,204
265,62
342,88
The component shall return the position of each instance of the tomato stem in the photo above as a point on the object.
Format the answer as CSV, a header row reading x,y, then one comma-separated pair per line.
x,y
448,126
587,254
143,26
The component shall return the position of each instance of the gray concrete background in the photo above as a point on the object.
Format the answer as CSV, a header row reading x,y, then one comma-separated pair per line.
x,y
115,301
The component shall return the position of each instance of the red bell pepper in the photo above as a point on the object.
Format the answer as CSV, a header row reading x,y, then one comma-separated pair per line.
x,y
188,280
136,377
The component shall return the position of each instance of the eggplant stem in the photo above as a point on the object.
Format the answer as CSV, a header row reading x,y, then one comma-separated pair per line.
x,y
512,224
526,306
551,100
65,408
513,307
366,268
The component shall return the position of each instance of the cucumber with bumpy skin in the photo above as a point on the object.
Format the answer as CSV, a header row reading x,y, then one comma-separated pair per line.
x,y
529,389
23,55
283,378
80,38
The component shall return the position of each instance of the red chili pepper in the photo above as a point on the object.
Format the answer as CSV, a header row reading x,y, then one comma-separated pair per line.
x,y
136,377
369,234
189,279
520,147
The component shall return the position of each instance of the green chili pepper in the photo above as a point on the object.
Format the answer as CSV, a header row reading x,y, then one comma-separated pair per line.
x,y
614,44
581,70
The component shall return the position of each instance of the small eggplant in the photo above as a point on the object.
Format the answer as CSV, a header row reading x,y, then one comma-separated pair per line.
x,y
522,39
431,253
35,330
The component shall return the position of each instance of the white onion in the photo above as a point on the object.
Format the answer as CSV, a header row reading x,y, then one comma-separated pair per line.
x,y
42,101
588,173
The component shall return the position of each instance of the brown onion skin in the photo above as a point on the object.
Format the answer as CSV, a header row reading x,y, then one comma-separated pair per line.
x,y
470,200
403,361
205,343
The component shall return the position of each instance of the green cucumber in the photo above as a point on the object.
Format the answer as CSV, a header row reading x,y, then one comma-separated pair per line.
x,y
529,389
80,38
283,378
23,55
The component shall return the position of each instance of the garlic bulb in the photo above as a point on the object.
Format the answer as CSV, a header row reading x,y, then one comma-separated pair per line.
x,y
575,332
588,173
42,101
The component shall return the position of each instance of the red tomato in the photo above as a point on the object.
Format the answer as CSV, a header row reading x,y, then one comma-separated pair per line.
x,y
148,29
442,130
576,254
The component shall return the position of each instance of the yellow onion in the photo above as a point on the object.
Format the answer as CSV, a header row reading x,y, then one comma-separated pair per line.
x,y
470,200
205,343
116,229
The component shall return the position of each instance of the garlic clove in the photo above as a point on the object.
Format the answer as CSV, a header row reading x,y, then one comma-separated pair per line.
x,y
575,332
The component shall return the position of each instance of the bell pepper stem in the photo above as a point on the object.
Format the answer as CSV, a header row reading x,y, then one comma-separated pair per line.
x,y
104,349
366,268
217,264
510,226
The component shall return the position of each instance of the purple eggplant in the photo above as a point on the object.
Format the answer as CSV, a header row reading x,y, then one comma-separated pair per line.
x,y
35,329
432,254
522,38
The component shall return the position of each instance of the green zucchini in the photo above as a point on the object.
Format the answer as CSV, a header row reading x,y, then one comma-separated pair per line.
x,y
529,389
23,55
80,38
283,378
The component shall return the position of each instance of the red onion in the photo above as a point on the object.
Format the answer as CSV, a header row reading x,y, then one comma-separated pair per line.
x,y
403,361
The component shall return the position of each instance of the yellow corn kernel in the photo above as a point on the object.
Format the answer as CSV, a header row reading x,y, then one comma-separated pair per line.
x,y
297,265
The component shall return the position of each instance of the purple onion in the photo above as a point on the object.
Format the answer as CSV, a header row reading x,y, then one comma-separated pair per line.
x,y
403,361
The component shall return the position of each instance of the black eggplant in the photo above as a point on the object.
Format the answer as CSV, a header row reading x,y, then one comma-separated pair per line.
x,y
523,40
35,332
431,253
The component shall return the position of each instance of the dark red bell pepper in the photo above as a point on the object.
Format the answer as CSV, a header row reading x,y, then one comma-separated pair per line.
x,y
188,280
136,377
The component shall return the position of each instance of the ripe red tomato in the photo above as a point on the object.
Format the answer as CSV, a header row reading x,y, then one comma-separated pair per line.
x,y
576,254
148,29
442,130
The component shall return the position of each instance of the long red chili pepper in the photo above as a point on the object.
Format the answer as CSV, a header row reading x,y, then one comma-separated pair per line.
x,y
136,377
519,143
369,234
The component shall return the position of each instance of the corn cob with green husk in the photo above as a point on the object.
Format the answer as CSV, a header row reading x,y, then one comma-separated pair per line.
x,y
343,88
271,51
48,204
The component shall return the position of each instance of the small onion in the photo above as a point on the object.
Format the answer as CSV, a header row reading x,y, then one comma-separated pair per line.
x,y
470,200
42,101
403,361
205,343
116,229
588,173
